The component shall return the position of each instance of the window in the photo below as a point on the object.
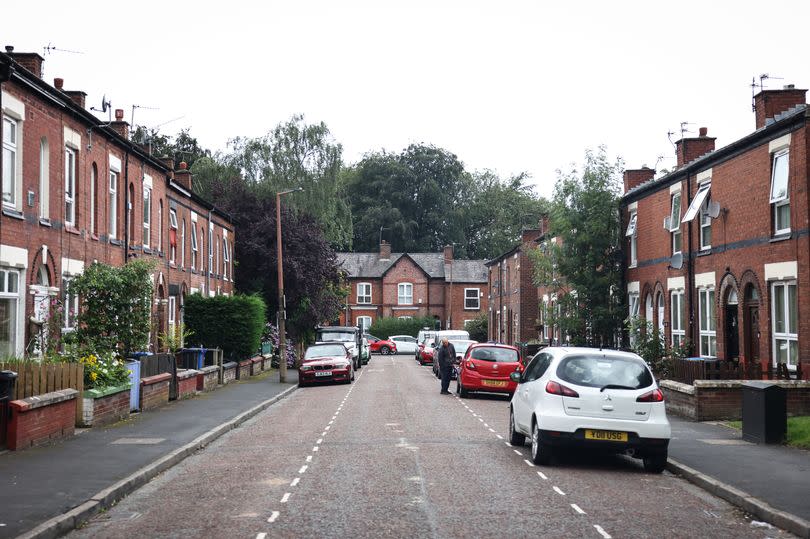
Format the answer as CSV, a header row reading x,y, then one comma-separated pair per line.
x,y
648,309
202,249
405,317
676,317
193,247
172,235
405,294
708,329
70,186
785,324
780,194
183,245
217,266
697,202
160,226
472,298
634,304
10,162
9,310
113,222
172,309
675,223
70,304
93,195
147,214
44,178
210,249
537,367
226,259
364,322
363,292
705,226
631,233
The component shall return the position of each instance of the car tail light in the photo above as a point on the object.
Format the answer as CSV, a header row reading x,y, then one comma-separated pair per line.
x,y
558,389
471,365
651,396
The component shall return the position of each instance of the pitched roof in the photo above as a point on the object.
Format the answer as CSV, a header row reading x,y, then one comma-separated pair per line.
x,y
370,265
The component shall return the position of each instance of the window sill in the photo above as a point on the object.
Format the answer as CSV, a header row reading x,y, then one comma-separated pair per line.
x,y
70,229
44,222
172,265
704,252
194,272
92,236
8,212
633,265
148,251
117,242
135,248
781,237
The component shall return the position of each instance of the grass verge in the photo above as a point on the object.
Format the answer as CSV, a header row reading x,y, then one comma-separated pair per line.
x,y
798,431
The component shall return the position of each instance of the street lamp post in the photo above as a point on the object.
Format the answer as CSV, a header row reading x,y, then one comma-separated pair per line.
x,y
282,314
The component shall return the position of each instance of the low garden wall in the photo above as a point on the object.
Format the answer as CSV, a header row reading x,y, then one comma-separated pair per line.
x,y
41,419
256,366
229,372
155,391
707,400
245,367
186,383
105,405
208,378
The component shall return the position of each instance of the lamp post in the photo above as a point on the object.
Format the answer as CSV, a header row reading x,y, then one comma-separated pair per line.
x,y
282,314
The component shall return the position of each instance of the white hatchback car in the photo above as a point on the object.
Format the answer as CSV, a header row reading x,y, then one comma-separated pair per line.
x,y
597,399
406,344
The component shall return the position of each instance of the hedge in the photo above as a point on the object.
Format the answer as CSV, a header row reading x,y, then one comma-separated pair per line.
x,y
232,323
385,327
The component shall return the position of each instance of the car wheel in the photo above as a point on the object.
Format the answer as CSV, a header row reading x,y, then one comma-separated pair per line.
x,y
655,463
301,384
541,452
384,350
463,392
515,438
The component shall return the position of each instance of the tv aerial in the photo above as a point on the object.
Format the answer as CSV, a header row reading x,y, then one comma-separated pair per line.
x,y
106,106
51,47
762,78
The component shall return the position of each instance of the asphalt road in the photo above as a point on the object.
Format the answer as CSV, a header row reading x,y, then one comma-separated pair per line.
x,y
390,457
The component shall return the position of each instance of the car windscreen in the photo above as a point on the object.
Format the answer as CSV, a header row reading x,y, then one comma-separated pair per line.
x,y
602,371
327,350
342,336
461,346
493,353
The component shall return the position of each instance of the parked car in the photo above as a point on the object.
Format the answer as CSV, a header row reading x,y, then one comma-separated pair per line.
x,y
349,335
326,362
381,346
424,351
600,400
365,351
460,345
487,367
405,343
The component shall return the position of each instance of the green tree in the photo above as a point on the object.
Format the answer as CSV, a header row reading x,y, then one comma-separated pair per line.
x,y
478,328
583,269
115,306
297,154
181,147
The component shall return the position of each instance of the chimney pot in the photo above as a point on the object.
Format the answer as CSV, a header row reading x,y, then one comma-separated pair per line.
x,y
789,87
385,250
9,49
704,131
119,115
59,83
183,165
448,254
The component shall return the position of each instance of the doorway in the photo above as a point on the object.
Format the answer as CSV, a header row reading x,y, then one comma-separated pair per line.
x,y
751,325
732,327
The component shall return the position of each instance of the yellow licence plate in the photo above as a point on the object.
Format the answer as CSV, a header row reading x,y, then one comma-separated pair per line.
x,y
494,383
606,435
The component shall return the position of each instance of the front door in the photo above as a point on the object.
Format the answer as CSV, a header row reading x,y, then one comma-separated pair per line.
x,y
42,313
752,333
732,333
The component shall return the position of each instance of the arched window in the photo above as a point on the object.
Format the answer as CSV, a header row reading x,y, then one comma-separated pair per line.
x,y
648,309
44,178
661,313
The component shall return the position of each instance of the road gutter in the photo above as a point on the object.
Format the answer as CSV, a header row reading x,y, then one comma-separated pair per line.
x,y
754,506
66,522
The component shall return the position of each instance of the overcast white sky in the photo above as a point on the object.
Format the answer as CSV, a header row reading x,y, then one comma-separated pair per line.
x,y
507,85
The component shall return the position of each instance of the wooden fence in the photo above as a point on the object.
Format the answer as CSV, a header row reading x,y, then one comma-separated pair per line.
x,y
687,371
39,378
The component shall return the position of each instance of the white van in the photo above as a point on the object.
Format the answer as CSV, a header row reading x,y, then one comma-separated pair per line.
x,y
451,335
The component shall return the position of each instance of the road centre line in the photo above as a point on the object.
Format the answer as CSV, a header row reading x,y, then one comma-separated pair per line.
x,y
295,481
327,428
558,491
542,476
261,535
318,441
323,434
518,452
309,458
601,531
578,509
530,463
314,449
285,498
486,425
508,444
303,469
273,516
499,436
491,429
481,419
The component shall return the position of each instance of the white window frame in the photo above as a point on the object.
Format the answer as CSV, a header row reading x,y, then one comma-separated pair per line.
x,y
70,306
676,317
93,195
780,201
360,322
172,316
15,318
405,317
44,178
477,299
13,185
697,202
70,186
707,322
193,246
633,311
160,226
631,232
147,215
226,259
172,226
112,221
705,224
405,294
788,335
675,223
183,244
364,298
210,249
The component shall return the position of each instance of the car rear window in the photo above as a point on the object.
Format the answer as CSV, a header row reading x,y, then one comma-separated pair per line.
x,y
602,371
461,346
500,355
327,350
343,336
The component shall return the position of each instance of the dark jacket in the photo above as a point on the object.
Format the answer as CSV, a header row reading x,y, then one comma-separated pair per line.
x,y
447,355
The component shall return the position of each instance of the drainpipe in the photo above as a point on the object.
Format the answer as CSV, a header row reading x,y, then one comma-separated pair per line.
x,y
127,209
210,258
690,268
5,74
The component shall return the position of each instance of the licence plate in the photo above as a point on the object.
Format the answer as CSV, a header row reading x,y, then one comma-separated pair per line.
x,y
323,373
494,383
606,435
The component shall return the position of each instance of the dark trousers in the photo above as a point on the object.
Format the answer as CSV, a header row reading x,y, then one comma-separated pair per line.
x,y
444,370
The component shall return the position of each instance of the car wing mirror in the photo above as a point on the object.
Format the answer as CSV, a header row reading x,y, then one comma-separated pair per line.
x,y
515,376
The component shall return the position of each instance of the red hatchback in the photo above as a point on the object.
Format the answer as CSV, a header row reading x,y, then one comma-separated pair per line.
x,y
326,362
486,367
381,346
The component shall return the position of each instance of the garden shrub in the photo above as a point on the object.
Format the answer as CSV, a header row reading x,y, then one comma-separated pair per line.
x,y
477,328
232,323
385,327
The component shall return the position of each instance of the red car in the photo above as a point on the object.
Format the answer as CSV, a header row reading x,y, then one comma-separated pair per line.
x,y
486,367
326,362
381,346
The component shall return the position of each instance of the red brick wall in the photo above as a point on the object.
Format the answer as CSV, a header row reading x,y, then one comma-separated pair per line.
x,y
33,426
229,373
207,379
155,391
110,408
186,384
244,369
405,271
711,400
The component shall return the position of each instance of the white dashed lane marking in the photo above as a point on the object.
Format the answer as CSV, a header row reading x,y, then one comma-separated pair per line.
x,y
295,481
558,491
542,476
314,449
530,463
285,498
273,516
303,469
518,452
309,458
261,535
577,509
601,531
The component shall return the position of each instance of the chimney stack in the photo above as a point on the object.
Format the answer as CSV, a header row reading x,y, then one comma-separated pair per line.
x,y
448,254
58,83
77,96
183,175
119,125
769,103
169,163
689,149
385,250
29,60
635,177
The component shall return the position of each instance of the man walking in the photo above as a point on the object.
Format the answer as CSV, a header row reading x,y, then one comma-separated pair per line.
x,y
447,357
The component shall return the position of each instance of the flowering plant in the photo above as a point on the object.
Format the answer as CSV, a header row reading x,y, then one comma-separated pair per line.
x,y
104,370
271,332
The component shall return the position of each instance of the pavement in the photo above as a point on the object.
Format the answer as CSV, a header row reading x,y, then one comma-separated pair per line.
x,y
46,491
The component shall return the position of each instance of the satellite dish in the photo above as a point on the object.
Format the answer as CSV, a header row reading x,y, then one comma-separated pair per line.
x,y
105,104
713,209
676,262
